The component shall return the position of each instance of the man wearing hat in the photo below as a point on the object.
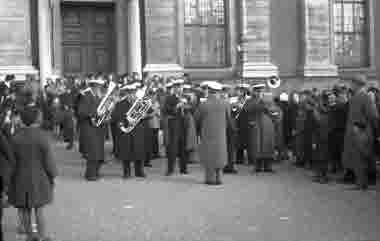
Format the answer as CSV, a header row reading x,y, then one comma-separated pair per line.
x,y
91,136
362,124
67,101
242,95
213,118
174,126
260,130
337,124
129,147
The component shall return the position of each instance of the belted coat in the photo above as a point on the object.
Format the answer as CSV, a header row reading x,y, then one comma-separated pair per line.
x,y
213,117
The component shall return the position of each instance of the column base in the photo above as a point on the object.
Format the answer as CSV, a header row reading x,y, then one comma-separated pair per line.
x,y
259,70
20,72
320,71
164,69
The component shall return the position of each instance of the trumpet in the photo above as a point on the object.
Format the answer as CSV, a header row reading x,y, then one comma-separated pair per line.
x,y
138,110
107,105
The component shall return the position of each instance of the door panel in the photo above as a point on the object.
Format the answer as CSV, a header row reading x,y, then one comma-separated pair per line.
x,y
88,39
74,59
99,59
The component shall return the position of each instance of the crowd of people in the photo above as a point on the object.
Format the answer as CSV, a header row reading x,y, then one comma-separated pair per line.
x,y
332,130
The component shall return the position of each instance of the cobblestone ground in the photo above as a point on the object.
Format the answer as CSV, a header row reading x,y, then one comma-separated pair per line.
x,y
266,207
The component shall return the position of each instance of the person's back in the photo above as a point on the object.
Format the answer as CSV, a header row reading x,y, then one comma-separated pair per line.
x,y
35,168
32,181
213,121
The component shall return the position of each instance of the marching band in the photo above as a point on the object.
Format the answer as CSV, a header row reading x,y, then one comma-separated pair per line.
x,y
132,112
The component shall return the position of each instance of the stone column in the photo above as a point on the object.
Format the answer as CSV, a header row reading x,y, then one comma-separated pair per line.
x,y
317,58
57,37
44,37
134,37
121,36
255,39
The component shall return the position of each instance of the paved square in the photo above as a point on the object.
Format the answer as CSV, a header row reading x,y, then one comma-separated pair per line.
x,y
266,207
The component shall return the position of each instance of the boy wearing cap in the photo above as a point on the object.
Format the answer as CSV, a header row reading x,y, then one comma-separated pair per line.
x,y
33,175
7,162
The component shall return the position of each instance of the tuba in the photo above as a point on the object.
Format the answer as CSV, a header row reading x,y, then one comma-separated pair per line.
x,y
107,105
138,110
274,82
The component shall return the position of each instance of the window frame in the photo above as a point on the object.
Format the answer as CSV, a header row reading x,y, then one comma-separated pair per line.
x,y
225,26
364,32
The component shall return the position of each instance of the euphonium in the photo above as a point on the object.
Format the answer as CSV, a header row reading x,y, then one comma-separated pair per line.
x,y
107,105
138,110
274,82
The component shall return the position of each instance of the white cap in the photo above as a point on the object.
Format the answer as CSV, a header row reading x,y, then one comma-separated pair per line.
x,y
243,86
214,85
258,86
186,86
234,100
284,97
96,81
179,81
169,84
128,87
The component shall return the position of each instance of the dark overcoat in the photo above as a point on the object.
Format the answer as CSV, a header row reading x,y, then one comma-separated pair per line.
x,y
362,123
213,117
32,180
250,120
91,136
7,159
320,125
337,129
129,146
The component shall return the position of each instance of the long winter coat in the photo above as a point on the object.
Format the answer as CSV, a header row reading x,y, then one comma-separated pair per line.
x,y
129,146
91,137
33,177
320,125
362,123
260,129
7,159
266,141
213,118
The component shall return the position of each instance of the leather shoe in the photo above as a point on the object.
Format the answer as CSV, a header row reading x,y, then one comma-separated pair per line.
x,y
269,170
70,146
142,175
168,174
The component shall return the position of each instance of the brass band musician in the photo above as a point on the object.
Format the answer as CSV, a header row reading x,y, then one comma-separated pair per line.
x,y
91,136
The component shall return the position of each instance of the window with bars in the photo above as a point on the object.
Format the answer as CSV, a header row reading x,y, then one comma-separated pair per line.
x,y
205,33
351,33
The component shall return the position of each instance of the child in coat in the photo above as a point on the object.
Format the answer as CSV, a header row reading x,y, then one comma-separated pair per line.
x,y
7,161
32,180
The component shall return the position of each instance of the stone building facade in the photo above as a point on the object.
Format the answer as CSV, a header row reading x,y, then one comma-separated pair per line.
x,y
303,41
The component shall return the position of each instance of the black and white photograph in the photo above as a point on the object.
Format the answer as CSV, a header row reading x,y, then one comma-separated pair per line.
x,y
189,120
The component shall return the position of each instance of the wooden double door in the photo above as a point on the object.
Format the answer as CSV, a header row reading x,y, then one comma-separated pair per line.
x,y
88,39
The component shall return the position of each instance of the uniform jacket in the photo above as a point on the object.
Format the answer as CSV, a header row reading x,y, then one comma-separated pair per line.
x,y
129,146
92,137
